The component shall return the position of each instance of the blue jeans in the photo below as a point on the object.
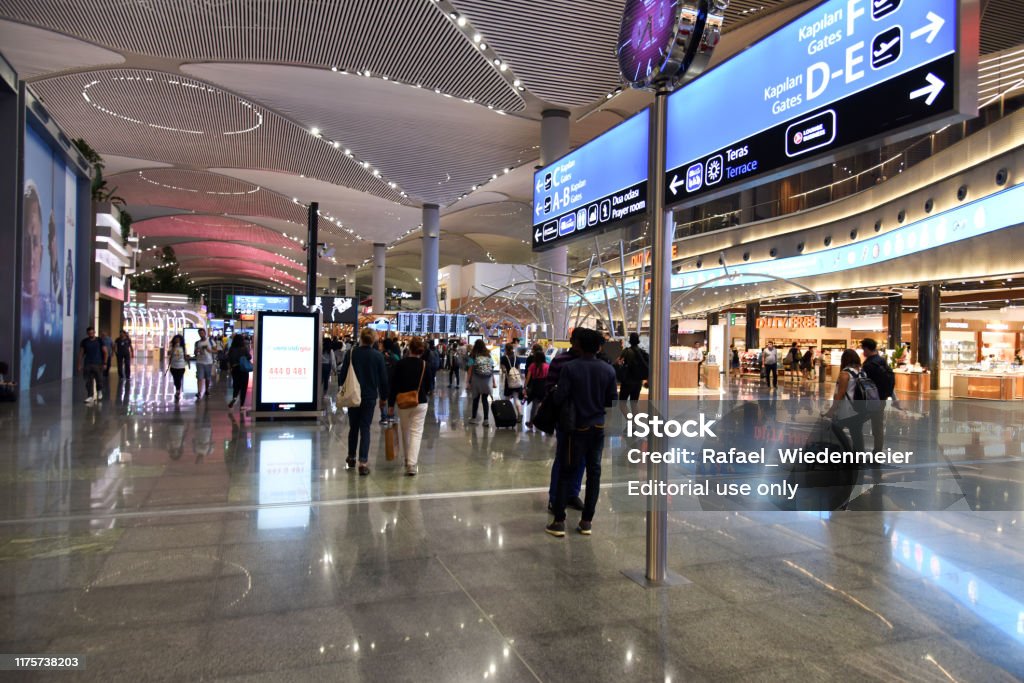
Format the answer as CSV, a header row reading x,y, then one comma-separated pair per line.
x,y
359,420
575,476
585,446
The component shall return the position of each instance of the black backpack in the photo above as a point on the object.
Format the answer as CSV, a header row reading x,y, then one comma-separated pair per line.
x,y
866,398
637,364
882,375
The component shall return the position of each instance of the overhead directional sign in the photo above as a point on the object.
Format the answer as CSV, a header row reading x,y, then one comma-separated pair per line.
x,y
843,73
597,185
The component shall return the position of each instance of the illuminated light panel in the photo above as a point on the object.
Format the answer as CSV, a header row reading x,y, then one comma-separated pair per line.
x,y
255,189
251,113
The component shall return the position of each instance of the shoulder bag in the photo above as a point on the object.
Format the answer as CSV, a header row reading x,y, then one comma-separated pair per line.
x,y
411,399
350,394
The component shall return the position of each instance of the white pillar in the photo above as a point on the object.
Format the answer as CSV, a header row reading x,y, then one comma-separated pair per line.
x,y
379,292
554,144
430,255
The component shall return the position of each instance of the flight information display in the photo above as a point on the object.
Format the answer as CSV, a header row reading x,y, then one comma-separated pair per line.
x,y
431,323
846,71
592,188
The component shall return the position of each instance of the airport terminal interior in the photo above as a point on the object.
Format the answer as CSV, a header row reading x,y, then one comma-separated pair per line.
x,y
512,340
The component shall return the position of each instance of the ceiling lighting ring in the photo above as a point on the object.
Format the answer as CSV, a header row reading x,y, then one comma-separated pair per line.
x,y
196,87
256,188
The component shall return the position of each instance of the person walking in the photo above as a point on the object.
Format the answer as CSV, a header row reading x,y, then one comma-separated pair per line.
x,y
843,412
433,359
457,363
879,372
177,362
411,377
770,363
807,363
480,380
369,368
203,353
92,357
536,379
108,346
792,361
512,378
327,365
588,384
392,353
240,365
636,369
734,361
125,355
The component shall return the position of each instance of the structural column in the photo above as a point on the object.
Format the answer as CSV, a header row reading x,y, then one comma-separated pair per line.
x,y
929,348
429,256
894,318
831,313
379,293
554,144
753,335
350,281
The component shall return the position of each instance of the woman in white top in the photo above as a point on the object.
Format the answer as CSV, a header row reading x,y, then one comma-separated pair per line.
x,y
843,413
177,361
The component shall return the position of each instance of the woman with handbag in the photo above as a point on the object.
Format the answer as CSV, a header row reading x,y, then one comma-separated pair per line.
x,y
409,393
240,362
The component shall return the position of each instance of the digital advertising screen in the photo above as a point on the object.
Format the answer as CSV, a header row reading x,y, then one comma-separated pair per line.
x,y
48,276
588,190
842,73
287,362
333,309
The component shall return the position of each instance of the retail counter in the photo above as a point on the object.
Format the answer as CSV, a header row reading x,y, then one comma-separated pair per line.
x,y
913,382
989,385
682,374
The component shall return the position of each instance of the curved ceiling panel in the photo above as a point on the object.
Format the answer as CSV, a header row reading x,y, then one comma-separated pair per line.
x,y
181,121
218,267
33,51
371,218
192,250
213,228
114,164
435,147
408,40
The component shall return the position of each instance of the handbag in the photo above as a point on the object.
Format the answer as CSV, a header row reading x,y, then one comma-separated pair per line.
x,y
391,443
350,394
244,364
411,399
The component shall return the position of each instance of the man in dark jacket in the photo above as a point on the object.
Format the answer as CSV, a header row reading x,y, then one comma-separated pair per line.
x,y
368,364
589,384
635,371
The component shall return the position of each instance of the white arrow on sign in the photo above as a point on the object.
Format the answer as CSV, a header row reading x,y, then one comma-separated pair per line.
x,y
538,209
537,235
935,24
674,185
932,90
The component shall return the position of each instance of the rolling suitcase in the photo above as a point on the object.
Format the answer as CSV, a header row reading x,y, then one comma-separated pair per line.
x,y
505,415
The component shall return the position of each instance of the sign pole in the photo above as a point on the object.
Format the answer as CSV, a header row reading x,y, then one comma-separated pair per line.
x,y
656,572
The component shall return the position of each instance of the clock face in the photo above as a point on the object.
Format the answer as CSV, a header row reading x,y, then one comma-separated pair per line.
x,y
646,37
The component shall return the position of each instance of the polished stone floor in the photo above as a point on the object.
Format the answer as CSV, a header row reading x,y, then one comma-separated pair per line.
x,y
168,542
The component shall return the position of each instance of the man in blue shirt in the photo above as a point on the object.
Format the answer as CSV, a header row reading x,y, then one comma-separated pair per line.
x,y
589,384
92,357
575,475
368,365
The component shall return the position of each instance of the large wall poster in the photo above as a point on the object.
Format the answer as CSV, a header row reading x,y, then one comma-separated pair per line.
x,y
47,265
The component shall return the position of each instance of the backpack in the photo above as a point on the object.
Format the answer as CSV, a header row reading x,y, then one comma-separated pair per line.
x,y
865,394
884,378
514,379
483,366
637,364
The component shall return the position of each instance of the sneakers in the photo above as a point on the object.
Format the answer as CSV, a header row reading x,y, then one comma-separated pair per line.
x,y
177,396
99,395
473,420
363,470
556,529
89,400
410,471
487,423
584,527
383,421
199,397
350,463
575,503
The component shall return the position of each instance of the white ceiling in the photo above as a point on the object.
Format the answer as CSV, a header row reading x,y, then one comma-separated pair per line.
x,y
205,108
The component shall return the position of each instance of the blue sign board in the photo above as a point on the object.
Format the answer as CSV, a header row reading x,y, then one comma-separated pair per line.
x,y
973,219
586,191
249,304
846,71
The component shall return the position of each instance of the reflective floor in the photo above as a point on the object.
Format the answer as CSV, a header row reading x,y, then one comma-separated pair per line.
x,y
182,542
